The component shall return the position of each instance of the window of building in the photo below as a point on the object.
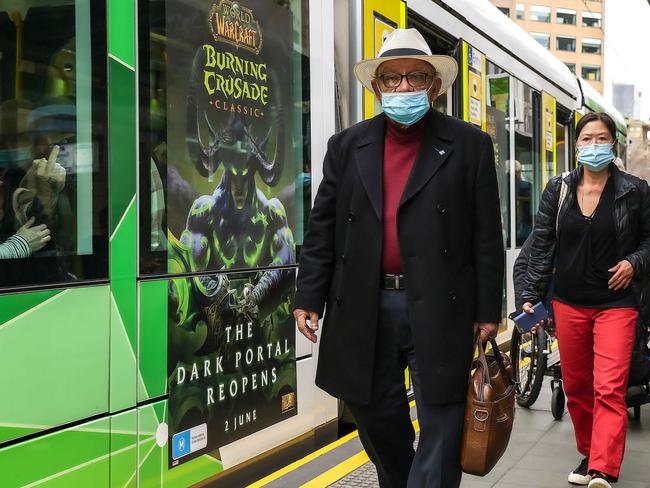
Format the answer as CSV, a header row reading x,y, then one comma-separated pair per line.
x,y
592,19
543,38
505,11
53,168
572,67
540,14
591,46
521,9
565,16
565,43
591,72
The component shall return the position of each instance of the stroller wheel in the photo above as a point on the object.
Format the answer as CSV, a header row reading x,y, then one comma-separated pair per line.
x,y
557,402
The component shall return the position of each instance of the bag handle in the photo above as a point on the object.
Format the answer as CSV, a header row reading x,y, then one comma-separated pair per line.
x,y
485,370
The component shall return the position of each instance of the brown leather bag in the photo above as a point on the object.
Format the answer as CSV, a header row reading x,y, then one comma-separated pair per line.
x,y
489,412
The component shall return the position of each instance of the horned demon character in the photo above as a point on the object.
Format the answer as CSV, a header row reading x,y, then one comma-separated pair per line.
x,y
236,227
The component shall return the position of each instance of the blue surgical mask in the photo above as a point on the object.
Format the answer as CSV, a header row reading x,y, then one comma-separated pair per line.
x,y
405,108
596,157
19,157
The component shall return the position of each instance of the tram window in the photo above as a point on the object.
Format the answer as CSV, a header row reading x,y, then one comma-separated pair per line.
x,y
498,101
591,46
542,38
526,176
438,45
565,16
572,67
540,13
244,157
565,43
505,11
53,173
591,72
497,107
592,19
561,148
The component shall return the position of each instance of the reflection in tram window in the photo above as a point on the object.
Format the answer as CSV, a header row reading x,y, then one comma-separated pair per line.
x,y
497,107
526,178
53,206
498,93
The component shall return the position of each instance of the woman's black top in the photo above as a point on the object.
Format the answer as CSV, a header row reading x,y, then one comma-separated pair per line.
x,y
587,249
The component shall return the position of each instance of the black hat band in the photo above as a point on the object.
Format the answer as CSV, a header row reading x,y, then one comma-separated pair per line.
x,y
403,51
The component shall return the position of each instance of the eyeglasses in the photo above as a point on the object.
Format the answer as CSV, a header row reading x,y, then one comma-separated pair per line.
x,y
417,79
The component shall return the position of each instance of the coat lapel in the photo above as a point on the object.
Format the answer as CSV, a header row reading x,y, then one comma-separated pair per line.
x,y
434,151
370,156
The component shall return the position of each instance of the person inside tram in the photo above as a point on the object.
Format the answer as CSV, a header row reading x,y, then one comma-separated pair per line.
x,y
19,238
418,293
524,194
600,252
44,191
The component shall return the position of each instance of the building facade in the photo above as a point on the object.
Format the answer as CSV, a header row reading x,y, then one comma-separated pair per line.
x,y
627,100
573,30
638,148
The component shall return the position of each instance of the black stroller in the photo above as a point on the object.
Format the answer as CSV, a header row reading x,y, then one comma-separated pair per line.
x,y
535,355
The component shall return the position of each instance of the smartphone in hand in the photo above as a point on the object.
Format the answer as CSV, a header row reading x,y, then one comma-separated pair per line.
x,y
526,321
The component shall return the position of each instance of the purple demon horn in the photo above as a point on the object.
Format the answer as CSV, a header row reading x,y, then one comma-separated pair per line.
x,y
271,170
209,150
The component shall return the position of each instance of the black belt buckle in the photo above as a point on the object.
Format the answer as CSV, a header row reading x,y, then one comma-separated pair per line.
x,y
393,282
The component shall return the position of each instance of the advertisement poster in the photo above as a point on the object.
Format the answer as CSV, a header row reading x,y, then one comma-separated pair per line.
x,y
549,135
231,207
231,364
475,101
231,174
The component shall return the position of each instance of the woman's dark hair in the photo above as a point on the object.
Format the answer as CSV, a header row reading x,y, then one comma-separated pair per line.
x,y
603,117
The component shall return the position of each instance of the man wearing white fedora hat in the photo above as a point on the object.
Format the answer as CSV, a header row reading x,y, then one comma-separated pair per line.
x,y
404,248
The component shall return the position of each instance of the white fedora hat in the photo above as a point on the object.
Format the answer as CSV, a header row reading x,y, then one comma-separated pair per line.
x,y
407,43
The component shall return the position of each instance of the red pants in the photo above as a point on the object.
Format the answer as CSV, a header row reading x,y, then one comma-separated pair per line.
x,y
595,347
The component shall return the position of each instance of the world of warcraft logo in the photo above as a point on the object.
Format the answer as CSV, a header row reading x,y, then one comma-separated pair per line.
x,y
235,25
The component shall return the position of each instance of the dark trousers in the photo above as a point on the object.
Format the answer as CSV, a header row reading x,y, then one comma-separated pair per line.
x,y
385,427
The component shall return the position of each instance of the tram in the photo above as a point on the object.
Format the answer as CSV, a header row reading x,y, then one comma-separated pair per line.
x,y
158,161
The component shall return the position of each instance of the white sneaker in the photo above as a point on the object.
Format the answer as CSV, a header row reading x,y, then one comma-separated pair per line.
x,y
599,482
580,475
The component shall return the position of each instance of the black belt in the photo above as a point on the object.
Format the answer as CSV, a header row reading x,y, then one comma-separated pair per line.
x,y
393,282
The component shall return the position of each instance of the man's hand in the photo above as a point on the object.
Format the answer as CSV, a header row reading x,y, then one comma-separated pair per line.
x,y
487,330
623,274
306,329
46,179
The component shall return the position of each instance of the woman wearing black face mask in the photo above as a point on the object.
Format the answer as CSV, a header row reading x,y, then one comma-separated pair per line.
x,y
598,241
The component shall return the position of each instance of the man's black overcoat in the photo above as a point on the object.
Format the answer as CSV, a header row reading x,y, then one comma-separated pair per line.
x,y
451,246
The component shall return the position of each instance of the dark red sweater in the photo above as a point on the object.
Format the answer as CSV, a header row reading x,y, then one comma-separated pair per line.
x,y
400,149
